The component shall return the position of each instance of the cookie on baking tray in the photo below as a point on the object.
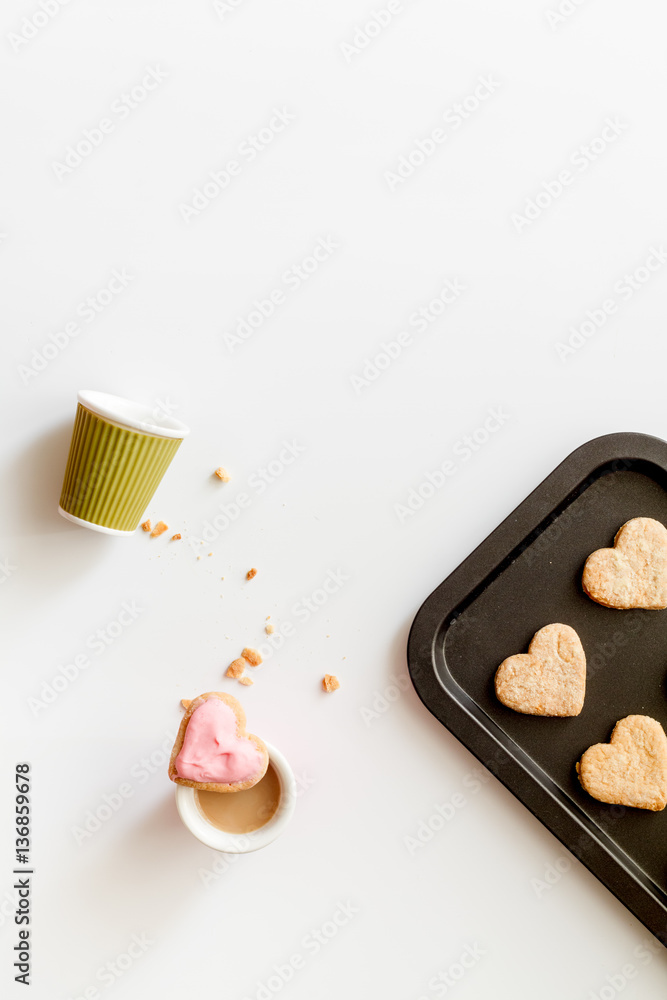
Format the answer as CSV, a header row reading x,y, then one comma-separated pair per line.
x,y
632,574
630,770
550,679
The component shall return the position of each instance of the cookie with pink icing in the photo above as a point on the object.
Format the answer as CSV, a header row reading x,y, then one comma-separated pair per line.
x,y
213,751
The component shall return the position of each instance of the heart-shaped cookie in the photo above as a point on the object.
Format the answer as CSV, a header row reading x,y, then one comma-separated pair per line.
x,y
213,751
631,770
634,573
550,679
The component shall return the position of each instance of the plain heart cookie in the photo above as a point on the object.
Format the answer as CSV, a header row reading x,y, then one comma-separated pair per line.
x,y
213,751
550,679
634,573
631,770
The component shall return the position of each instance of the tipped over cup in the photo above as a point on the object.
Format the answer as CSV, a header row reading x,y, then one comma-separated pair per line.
x,y
119,452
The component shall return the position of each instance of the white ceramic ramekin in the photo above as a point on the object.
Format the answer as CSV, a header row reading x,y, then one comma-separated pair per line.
x,y
241,843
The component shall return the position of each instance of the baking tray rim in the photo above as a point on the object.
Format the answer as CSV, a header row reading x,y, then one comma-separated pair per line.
x,y
455,709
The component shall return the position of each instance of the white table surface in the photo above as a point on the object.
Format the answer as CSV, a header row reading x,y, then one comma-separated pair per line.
x,y
367,782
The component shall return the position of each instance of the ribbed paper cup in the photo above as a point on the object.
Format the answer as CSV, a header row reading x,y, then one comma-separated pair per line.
x,y
119,453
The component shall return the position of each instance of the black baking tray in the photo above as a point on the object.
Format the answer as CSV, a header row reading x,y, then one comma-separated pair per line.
x,y
526,574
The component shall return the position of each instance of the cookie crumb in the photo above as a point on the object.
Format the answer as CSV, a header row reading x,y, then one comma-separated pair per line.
x,y
253,656
185,702
236,668
222,474
176,537
251,574
146,525
210,553
330,683
269,629
159,529
246,681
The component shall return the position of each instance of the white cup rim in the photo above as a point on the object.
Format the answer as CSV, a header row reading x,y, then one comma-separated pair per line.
x,y
241,843
135,416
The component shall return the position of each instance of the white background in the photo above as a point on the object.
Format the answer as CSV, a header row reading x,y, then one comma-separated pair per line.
x,y
370,782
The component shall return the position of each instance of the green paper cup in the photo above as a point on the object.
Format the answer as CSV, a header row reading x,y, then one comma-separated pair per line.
x,y
119,453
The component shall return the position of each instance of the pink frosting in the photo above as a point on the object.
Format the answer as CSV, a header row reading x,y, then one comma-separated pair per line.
x,y
211,749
